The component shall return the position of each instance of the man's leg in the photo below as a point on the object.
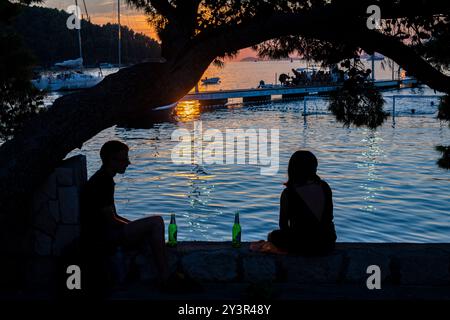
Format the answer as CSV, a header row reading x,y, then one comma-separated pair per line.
x,y
150,229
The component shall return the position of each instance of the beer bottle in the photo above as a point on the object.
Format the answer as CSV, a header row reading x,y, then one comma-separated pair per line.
x,y
172,231
236,236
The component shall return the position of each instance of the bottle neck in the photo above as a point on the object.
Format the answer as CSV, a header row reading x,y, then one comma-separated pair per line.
x,y
236,218
172,219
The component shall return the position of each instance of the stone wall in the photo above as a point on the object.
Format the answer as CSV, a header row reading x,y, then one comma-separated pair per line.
x,y
400,264
56,217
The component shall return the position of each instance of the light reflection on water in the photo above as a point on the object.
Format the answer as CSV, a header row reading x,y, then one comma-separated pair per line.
x,y
386,184
369,160
187,111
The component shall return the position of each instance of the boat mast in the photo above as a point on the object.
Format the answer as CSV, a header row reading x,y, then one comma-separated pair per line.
x,y
392,67
373,66
118,19
79,38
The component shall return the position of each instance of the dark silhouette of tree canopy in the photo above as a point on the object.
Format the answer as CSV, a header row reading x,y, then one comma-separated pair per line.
x,y
19,100
193,34
38,36
44,33
444,160
358,102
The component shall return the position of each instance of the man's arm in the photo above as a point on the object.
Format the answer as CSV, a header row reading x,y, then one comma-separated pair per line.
x,y
119,218
110,211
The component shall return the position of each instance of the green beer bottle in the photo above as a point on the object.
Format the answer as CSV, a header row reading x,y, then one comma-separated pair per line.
x,y
172,231
236,239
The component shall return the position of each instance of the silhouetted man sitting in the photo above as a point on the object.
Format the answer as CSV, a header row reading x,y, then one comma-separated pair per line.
x,y
103,230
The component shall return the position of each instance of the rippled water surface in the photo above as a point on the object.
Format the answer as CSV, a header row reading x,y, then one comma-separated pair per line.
x,y
386,184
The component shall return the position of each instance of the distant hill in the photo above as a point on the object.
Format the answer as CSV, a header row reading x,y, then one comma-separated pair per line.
x,y
246,59
45,33
251,59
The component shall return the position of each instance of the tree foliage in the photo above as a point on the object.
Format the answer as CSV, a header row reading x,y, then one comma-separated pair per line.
x,y
358,102
444,108
444,160
38,36
19,100
45,34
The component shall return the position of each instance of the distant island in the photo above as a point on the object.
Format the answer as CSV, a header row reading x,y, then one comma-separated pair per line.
x,y
249,59
45,34
257,59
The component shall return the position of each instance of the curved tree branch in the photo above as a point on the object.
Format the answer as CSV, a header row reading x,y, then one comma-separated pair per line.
x,y
403,55
329,26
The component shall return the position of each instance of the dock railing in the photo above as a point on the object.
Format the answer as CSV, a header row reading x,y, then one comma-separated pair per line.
x,y
394,104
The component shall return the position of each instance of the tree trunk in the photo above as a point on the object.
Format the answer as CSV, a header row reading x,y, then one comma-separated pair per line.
x,y
124,97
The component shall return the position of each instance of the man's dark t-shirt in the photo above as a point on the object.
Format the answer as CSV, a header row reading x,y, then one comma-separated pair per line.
x,y
99,228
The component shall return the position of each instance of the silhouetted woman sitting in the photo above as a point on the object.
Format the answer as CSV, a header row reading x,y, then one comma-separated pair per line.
x,y
306,210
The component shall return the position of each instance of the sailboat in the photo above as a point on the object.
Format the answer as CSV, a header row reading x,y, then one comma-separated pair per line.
x,y
67,80
73,77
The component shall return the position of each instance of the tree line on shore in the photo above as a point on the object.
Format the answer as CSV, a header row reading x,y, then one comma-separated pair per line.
x,y
45,34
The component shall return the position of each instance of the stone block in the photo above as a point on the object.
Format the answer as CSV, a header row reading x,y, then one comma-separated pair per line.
x,y
42,273
44,221
78,165
47,190
424,267
360,259
43,244
259,268
81,171
53,208
146,266
44,193
173,259
324,269
40,199
220,265
69,204
65,235
64,176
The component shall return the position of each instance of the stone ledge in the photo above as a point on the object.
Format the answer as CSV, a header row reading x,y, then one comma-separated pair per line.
x,y
400,263
403,266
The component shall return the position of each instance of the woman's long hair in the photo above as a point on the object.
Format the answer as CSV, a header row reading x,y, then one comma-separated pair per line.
x,y
302,168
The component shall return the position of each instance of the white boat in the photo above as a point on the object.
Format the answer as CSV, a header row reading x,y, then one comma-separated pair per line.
x,y
74,77
70,64
66,80
376,57
214,80
106,65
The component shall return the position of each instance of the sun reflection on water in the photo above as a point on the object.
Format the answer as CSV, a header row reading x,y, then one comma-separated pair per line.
x,y
187,111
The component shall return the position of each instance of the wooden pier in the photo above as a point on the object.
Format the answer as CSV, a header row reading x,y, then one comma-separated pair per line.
x,y
221,97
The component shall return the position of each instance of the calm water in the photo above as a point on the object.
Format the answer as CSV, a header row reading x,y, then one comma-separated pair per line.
x,y
237,75
386,184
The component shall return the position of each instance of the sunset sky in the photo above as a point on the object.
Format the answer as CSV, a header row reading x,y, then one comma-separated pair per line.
x,y
104,11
